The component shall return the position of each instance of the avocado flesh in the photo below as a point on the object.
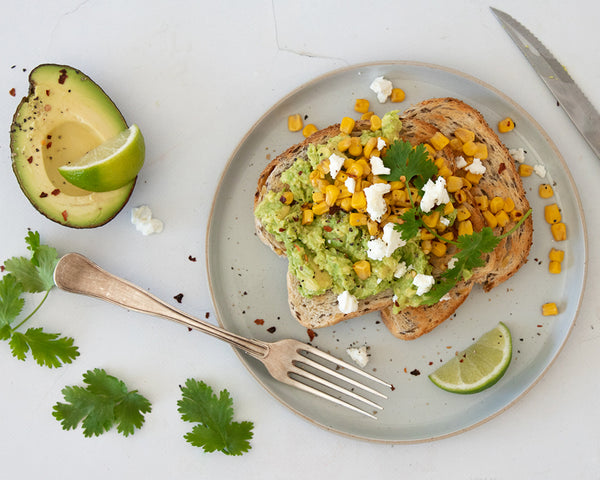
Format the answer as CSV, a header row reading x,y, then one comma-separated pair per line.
x,y
64,116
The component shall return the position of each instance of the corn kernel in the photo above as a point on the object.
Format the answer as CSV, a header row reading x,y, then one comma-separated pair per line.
x,y
509,205
396,185
525,170
502,218
438,249
398,95
430,150
295,123
464,135
456,145
462,213
490,219
318,197
556,255
322,184
516,215
359,201
355,147
357,219
426,246
469,148
496,204
286,198
366,116
549,309
426,234
344,144
439,141
472,178
331,194
552,214
320,208
355,170
448,208
309,129
347,125
307,216
372,227
460,196
448,236
362,268
346,204
454,184
481,151
559,231
465,228
323,166
444,172
545,190
361,105
482,202
365,166
554,267
369,146
375,122
432,219
506,125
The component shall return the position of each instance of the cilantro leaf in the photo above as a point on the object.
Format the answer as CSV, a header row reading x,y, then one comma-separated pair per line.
x,y
26,274
47,349
11,302
104,402
411,163
36,274
410,226
215,429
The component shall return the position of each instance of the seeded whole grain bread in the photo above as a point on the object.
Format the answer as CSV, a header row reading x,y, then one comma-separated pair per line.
x,y
419,123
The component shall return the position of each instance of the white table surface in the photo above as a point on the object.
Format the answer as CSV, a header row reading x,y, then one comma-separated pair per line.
x,y
195,76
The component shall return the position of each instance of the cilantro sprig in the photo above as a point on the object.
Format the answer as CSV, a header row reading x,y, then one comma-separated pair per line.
x,y
31,275
215,429
102,403
411,163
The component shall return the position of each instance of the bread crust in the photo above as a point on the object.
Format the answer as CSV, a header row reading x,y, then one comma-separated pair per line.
x,y
419,123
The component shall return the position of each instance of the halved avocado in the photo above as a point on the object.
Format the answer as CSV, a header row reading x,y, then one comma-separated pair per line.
x,y
64,116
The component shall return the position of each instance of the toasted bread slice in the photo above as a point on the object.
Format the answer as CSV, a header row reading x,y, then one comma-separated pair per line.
x,y
419,124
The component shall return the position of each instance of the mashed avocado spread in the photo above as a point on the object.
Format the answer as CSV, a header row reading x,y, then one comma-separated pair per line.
x,y
323,253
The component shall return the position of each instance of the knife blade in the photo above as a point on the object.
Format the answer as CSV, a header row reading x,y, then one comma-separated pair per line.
x,y
573,101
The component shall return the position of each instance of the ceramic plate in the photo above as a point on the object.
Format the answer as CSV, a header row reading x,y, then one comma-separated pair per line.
x,y
247,279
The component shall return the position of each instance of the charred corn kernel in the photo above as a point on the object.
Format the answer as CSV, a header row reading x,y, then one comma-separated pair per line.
x,y
448,208
346,203
552,214
439,140
545,190
314,175
506,125
426,246
559,231
456,144
331,194
341,177
347,125
490,219
482,202
286,198
444,172
481,151
365,166
322,184
464,135
525,170
467,185
359,201
516,215
366,116
361,105
454,183
372,227
396,185
309,129
393,219
307,216
355,147
438,249
320,208
465,228
502,218
344,144
430,150
432,219
554,267
398,197
473,178
440,162
355,170
398,95
448,236
426,234
357,219
496,204
509,205
556,255
375,122
362,268
369,146
462,213
469,148
549,309
318,197
460,196
295,123
323,166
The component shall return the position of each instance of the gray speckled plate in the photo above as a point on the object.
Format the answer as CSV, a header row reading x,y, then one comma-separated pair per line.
x,y
247,280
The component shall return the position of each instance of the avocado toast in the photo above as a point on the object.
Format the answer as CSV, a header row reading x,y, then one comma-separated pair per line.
x,y
361,237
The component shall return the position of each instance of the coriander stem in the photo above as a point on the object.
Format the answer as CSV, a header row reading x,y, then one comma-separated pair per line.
x,y
33,313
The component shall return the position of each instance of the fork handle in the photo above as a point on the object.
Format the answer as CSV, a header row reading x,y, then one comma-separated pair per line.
x,y
77,274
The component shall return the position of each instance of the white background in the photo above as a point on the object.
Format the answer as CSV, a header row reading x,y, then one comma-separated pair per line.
x,y
195,76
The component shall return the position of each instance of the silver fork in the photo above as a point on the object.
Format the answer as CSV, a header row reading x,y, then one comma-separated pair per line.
x,y
286,360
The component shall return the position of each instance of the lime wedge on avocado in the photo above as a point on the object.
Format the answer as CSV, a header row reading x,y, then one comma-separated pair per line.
x,y
64,116
479,366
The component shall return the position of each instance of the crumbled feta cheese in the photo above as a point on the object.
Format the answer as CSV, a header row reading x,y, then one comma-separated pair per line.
x,y
445,221
359,355
461,162
401,270
540,170
434,194
380,143
452,262
350,184
476,168
376,205
141,217
518,154
347,303
382,87
392,238
376,249
377,166
335,164
423,283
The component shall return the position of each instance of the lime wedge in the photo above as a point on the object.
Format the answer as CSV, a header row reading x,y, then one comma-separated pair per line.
x,y
110,165
478,367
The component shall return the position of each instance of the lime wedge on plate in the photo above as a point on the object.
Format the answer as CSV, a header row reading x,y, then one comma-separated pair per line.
x,y
478,367
110,165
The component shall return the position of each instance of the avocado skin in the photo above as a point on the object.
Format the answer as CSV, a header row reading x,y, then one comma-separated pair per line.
x,y
63,100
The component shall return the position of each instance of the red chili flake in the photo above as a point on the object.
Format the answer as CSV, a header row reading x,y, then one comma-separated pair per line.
x,y
1,268
393,388
311,334
64,214
55,192
207,315
191,259
327,228
405,371
178,297
47,93
271,329
30,159
43,195
430,363
259,321
63,76
282,229
501,168
12,92
415,372
49,144
540,326
461,360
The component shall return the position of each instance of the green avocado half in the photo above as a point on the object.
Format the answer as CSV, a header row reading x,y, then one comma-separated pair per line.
x,y
64,116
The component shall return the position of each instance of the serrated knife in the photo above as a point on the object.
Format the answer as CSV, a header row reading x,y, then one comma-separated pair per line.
x,y
573,101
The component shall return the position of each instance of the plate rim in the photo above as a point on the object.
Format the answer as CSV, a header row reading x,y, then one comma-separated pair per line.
x,y
522,111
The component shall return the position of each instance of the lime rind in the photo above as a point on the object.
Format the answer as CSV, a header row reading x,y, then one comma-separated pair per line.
x,y
483,364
